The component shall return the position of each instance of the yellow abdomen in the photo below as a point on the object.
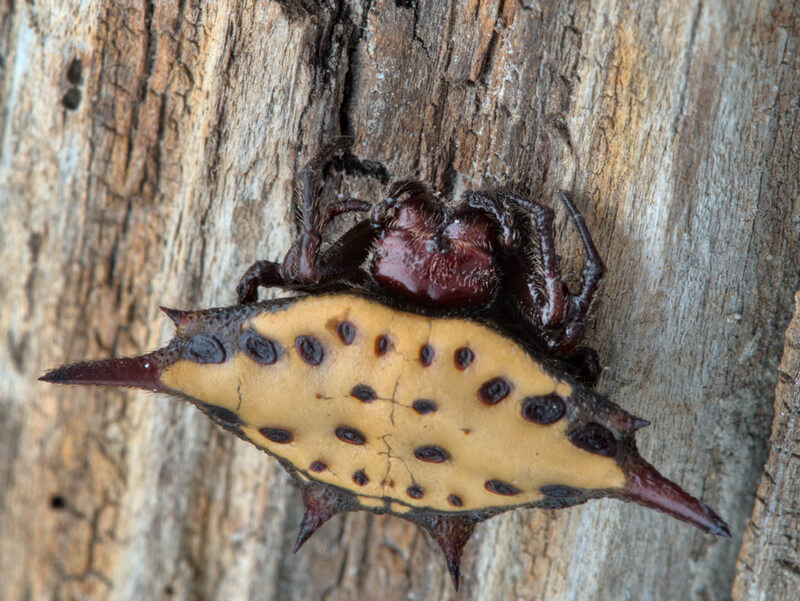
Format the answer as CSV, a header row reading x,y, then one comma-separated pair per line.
x,y
404,411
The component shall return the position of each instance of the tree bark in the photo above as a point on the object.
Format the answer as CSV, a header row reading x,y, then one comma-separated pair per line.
x,y
147,157
769,561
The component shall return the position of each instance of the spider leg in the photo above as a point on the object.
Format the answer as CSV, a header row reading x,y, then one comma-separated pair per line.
x,y
311,217
594,269
591,275
548,306
554,311
488,202
348,205
381,211
539,291
341,262
303,267
299,265
260,273
565,312
338,264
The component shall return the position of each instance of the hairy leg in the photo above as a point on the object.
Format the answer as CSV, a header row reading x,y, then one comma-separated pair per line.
x,y
304,267
591,275
548,304
260,273
539,290
594,269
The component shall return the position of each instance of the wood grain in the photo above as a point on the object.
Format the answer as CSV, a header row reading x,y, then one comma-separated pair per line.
x,y
769,560
147,156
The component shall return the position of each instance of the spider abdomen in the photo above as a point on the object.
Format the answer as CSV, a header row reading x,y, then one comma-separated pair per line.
x,y
442,421
350,405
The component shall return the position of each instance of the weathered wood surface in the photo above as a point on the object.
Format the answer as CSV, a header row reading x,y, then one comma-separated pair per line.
x,y
769,562
147,152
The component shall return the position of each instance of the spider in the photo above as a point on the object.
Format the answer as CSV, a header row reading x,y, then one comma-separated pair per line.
x,y
357,437
492,257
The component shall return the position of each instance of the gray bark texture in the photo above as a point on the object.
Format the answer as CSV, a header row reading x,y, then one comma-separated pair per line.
x,y
769,561
147,156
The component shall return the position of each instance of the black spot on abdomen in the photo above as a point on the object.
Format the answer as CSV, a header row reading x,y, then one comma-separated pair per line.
x,y
543,410
350,435
493,391
310,349
463,357
595,438
499,487
278,435
364,393
424,406
204,348
426,354
455,500
346,332
431,454
382,345
259,348
415,492
559,491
